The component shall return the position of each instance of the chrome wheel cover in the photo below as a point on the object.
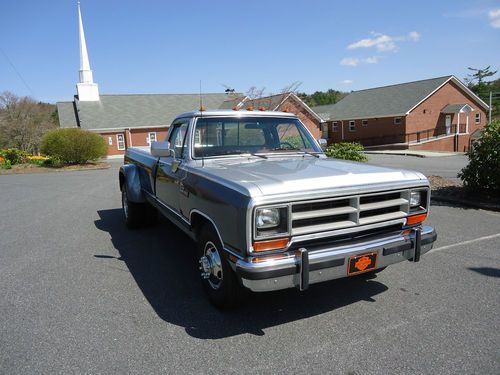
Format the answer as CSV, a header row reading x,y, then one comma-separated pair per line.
x,y
125,203
211,266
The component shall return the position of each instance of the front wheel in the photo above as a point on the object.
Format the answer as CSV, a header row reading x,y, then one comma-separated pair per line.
x,y
136,214
218,279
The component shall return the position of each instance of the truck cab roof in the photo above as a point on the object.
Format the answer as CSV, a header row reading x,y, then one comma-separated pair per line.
x,y
236,113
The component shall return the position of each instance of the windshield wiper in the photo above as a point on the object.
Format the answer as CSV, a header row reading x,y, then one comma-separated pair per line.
x,y
315,154
243,153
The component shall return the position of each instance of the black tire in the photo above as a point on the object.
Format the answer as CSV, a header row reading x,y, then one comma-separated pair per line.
x,y
137,214
221,286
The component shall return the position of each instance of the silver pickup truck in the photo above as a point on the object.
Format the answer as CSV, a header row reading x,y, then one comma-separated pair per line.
x,y
267,209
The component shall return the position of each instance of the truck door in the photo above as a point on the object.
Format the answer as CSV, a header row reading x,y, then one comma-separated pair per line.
x,y
170,170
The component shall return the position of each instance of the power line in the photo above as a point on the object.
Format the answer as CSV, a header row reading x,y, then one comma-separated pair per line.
x,y
17,72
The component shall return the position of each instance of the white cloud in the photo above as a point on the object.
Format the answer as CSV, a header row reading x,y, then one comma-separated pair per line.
x,y
349,61
494,15
354,61
381,42
347,81
371,60
414,36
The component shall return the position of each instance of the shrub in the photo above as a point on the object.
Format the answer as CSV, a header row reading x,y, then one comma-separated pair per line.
x,y
74,146
483,170
52,162
36,160
347,151
14,156
5,163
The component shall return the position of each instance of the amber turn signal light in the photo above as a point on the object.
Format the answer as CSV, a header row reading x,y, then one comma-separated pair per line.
x,y
270,245
415,219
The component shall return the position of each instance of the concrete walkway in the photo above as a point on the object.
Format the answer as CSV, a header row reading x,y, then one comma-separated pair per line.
x,y
420,154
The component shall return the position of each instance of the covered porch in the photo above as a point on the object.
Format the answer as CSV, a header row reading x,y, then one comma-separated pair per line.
x,y
461,111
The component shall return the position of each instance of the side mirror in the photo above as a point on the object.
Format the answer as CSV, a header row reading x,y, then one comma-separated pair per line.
x,y
322,142
161,149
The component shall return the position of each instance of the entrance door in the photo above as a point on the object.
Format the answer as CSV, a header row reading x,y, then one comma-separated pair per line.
x,y
170,170
448,124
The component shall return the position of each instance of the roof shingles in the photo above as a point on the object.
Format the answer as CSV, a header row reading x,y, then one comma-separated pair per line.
x,y
394,100
137,111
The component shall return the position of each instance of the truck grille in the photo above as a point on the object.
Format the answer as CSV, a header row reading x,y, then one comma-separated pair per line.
x,y
340,213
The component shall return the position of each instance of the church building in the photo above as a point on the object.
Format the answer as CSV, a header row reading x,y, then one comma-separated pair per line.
x,y
127,120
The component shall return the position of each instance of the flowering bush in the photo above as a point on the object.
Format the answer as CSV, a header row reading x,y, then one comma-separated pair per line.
x,y
14,156
5,163
37,160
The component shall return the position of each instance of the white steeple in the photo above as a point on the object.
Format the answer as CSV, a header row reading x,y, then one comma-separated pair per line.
x,y
87,90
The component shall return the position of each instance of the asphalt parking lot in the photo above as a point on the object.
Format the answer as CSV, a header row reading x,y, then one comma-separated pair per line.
x,y
80,294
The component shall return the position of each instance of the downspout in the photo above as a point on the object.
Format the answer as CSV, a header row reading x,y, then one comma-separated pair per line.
x,y
130,137
342,126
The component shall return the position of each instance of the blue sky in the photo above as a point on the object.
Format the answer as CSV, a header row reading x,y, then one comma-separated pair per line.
x,y
169,46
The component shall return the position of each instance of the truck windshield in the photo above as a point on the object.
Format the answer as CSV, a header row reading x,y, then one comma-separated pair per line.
x,y
233,136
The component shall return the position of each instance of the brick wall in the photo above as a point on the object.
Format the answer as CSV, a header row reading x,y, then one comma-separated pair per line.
x,y
293,106
444,144
381,130
133,137
428,114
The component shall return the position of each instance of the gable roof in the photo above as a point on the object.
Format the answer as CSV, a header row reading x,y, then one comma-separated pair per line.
x,y
67,115
134,111
273,103
234,102
387,101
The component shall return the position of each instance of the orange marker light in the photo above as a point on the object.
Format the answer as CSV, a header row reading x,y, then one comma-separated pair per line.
x,y
270,245
262,108
250,108
415,219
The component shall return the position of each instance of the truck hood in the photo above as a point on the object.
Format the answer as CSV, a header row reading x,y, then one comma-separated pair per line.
x,y
300,174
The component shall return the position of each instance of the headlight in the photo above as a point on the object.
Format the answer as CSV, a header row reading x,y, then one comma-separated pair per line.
x,y
267,218
415,198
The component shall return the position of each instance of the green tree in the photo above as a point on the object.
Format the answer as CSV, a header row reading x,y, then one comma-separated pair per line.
x,y
479,75
322,97
483,170
482,88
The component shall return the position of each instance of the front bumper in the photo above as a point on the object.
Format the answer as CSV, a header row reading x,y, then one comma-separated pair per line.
x,y
301,268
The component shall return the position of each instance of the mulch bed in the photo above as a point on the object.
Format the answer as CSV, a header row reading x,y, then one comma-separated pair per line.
x,y
31,168
454,192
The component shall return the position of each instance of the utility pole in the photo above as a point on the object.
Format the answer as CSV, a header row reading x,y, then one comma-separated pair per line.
x,y
489,122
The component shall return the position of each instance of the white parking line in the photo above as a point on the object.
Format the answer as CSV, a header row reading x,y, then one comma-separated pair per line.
x,y
465,242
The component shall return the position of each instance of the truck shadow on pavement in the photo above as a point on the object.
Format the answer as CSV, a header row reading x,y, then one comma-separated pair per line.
x,y
162,261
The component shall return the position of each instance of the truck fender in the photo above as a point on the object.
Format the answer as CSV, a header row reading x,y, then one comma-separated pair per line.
x,y
129,176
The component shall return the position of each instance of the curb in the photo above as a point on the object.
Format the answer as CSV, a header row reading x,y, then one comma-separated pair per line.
x,y
466,203
55,170
395,153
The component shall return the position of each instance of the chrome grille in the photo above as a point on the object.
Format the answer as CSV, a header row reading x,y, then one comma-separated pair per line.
x,y
346,212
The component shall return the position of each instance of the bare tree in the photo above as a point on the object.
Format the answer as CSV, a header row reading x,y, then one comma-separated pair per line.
x,y
291,87
23,121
